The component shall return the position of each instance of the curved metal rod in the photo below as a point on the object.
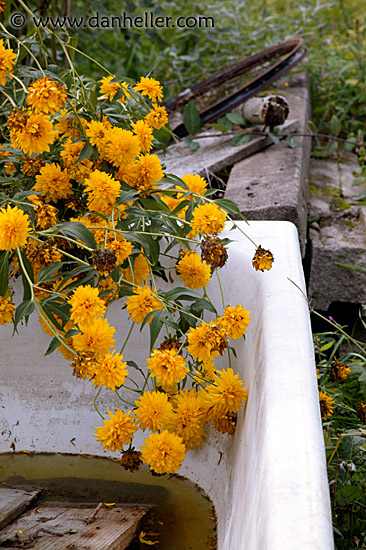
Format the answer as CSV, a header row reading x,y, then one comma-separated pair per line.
x,y
295,53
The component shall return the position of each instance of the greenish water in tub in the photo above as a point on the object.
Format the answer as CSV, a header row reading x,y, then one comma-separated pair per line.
x,y
184,515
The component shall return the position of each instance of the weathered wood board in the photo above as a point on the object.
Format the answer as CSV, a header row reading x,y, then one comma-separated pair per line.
x,y
13,502
56,527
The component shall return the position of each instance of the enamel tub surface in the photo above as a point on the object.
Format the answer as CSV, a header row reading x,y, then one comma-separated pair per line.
x,y
268,483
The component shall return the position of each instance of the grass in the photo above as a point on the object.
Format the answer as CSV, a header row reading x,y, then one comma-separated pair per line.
x,y
334,33
344,432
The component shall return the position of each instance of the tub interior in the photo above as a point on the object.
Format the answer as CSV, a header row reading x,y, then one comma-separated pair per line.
x,y
268,482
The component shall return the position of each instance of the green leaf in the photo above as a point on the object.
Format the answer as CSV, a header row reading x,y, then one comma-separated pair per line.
x,y
48,273
241,139
274,138
85,153
292,142
61,310
348,146
335,125
128,196
27,293
193,145
332,147
191,118
229,206
235,118
199,305
23,310
73,41
4,272
77,230
180,293
55,343
155,327
312,127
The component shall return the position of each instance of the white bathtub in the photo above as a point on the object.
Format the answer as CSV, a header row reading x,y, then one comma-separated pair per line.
x,y
268,483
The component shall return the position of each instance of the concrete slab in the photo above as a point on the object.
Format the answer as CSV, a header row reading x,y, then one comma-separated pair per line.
x,y
215,152
337,233
272,184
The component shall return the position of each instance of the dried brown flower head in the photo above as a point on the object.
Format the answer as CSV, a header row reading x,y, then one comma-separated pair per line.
x,y
339,371
131,460
214,252
170,343
104,260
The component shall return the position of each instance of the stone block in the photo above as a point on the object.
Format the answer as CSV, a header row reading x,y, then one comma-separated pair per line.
x,y
337,233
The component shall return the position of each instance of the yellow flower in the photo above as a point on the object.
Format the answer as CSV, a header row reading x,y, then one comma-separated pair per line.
x,y
14,228
153,411
7,309
103,191
208,218
2,6
121,248
97,132
37,135
70,154
164,452
326,403
84,364
69,124
109,89
116,432
157,117
207,341
150,87
7,60
148,171
142,303
127,173
195,183
226,423
263,259
86,305
31,166
110,371
140,272
188,419
195,274
109,287
225,395
168,367
121,147
145,135
53,183
41,254
96,337
46,216
235,321
46,96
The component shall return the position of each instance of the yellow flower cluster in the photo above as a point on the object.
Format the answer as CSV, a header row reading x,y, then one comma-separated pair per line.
x,y
85,221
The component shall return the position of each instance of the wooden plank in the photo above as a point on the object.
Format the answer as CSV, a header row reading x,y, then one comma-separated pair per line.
x,y
215,153
13,502
66,527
